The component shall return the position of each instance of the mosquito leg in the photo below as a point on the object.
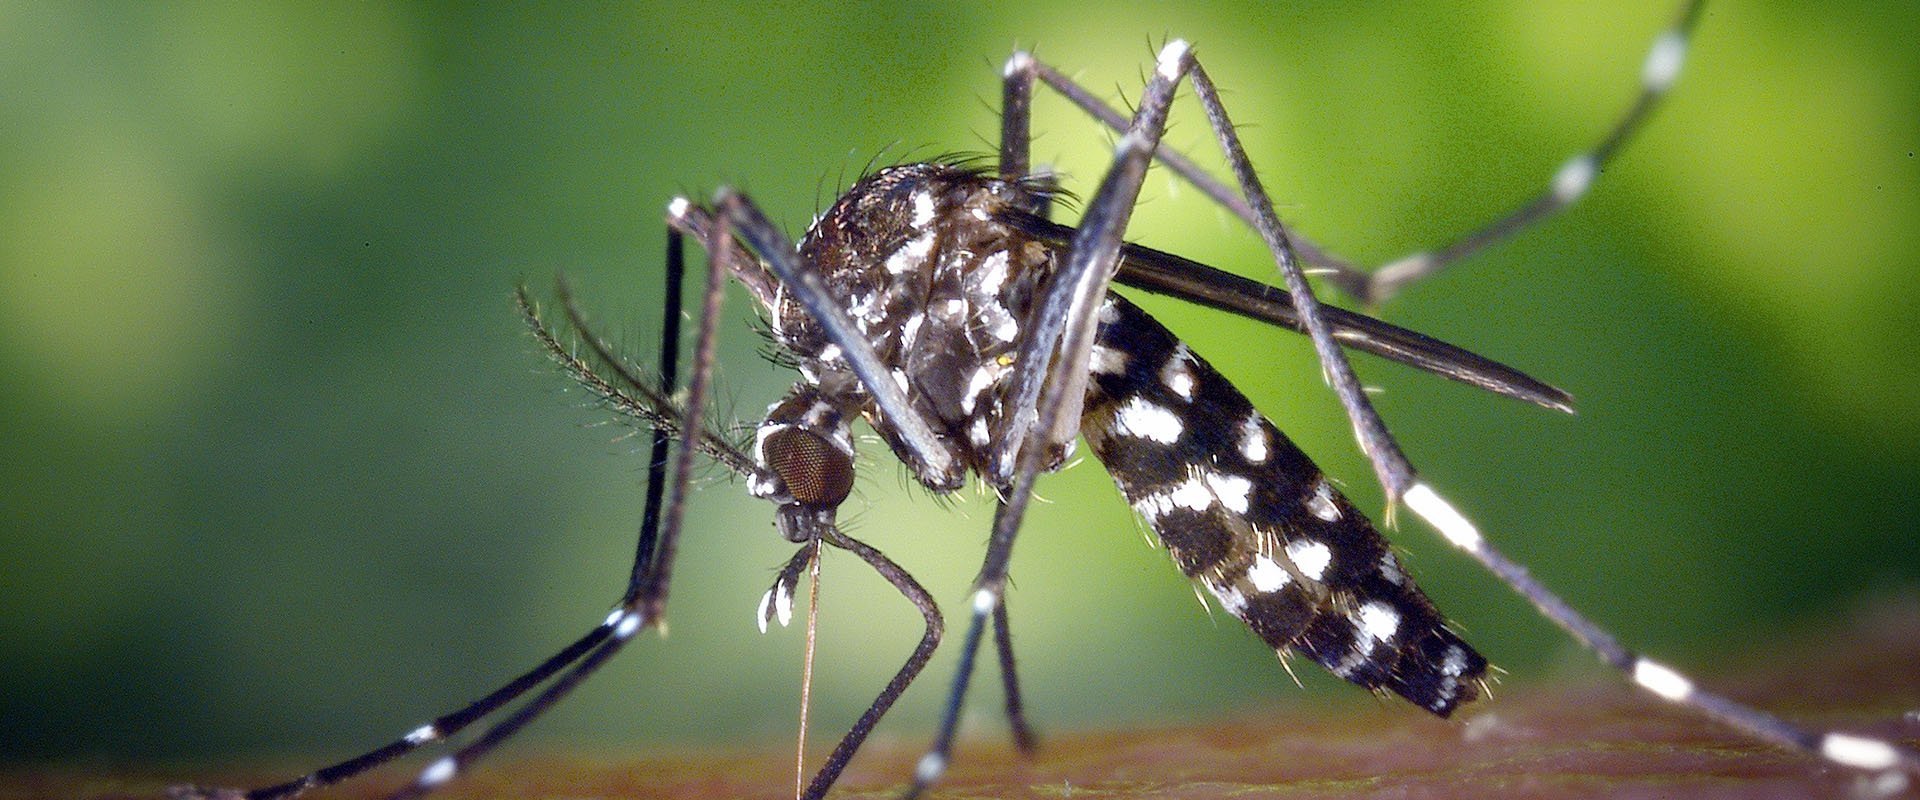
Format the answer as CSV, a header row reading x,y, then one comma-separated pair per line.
x,y
1389,464
1065,321
669,362
449,724
646,602
934,763
650,596
1023,737
1657,75
850,743
1574,178
440,728
1398,478
1016,115
444,769
1173,276
1208,185
1844,749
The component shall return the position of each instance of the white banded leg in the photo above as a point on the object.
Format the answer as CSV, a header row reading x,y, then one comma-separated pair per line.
x,y
646,601
1045,397
1659,72
1848,750
620,624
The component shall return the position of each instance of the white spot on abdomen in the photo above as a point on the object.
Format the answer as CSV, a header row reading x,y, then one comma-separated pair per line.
x,y
1310,556
1379,621
1390,570
1192,494
1266,575
1233,491
1253,439
1230,599
1141,418
1177,373
1153,506
1321,503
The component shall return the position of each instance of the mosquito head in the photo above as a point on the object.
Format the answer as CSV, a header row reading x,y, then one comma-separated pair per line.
x,y
807,447
818,478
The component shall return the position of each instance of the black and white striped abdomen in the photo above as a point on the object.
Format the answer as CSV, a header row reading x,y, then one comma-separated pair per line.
x,y
1243,511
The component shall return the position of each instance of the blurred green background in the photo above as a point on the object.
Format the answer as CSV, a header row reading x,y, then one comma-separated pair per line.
x,y
284,476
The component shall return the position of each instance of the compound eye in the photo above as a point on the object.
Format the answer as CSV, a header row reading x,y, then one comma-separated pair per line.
x,y
816,473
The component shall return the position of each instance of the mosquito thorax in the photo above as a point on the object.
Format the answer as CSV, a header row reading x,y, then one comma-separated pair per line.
x,y
938,285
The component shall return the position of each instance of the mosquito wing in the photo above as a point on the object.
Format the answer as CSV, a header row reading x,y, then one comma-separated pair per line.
x,y
1168,274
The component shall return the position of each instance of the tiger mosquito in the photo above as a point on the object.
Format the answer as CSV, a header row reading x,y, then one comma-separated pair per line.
x,y
937,302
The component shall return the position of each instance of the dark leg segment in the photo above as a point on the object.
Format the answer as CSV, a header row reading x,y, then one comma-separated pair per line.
x,y
643,559
1575,176
922,652
1016,114
1045,397
646,602
1658,74
587,646
1389,464
1023,737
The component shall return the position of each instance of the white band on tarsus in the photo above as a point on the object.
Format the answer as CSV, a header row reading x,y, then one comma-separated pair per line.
x,y
1017,63
439,772
1662,680
1664,61
930,768
1859,752
628,624
1443,517
983,602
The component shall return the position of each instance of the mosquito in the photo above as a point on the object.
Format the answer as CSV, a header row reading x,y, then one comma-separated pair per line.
x,y
939,304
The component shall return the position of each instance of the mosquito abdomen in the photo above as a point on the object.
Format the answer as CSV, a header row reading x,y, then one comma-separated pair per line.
x,y
1246,514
